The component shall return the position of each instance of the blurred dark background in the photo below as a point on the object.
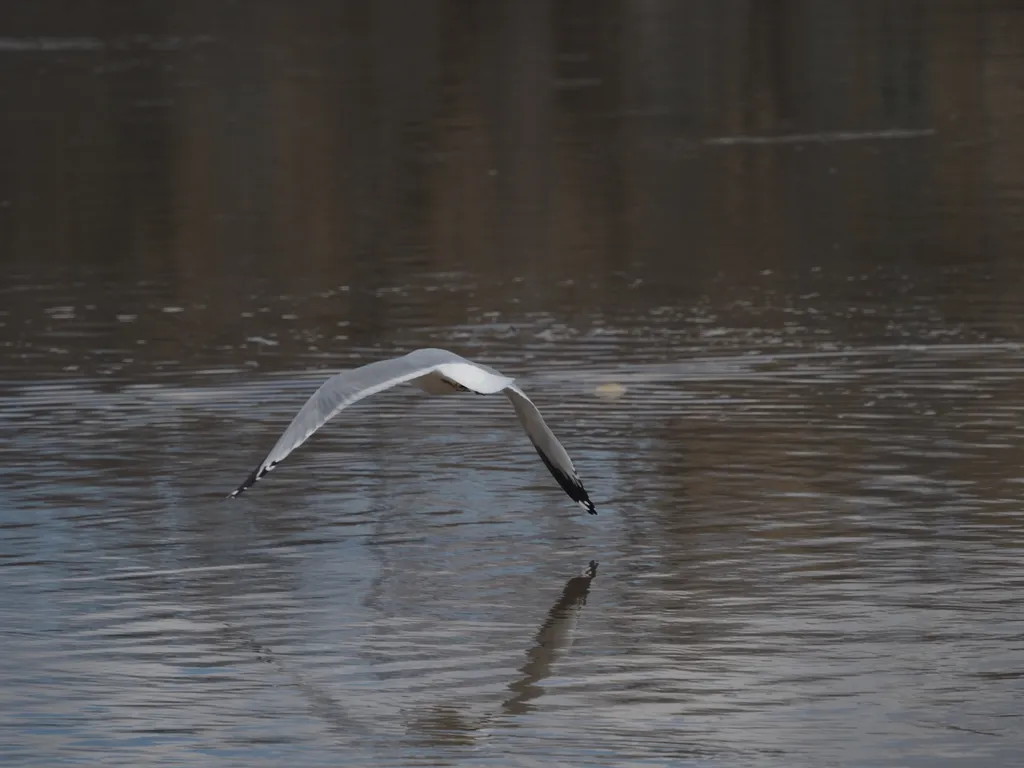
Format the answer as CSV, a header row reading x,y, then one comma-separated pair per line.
x,y
224,149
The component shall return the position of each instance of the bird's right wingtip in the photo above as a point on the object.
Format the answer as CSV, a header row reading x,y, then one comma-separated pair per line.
x,y
569,481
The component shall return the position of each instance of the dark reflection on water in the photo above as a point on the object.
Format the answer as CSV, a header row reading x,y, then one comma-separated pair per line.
x,y
758,264
555,637
444,721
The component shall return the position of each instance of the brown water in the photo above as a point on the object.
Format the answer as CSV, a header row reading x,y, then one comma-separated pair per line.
x,y
758,263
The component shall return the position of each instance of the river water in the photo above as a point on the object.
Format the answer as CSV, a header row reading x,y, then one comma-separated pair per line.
x,y
758,264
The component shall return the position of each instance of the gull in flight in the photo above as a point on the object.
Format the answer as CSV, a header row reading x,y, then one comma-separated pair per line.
x,y
436,372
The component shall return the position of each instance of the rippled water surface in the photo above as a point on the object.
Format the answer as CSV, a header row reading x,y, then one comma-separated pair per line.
x,y
781,341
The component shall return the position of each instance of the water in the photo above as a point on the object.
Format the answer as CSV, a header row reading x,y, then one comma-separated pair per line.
x,y
759,267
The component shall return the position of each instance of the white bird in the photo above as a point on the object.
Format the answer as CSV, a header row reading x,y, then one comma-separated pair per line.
x,y
436,372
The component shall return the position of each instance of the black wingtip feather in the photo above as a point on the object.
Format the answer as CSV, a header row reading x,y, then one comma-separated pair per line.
x,y
571,485
255,475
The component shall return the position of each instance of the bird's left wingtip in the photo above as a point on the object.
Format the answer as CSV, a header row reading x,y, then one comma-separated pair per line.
x,y
255,475
588,505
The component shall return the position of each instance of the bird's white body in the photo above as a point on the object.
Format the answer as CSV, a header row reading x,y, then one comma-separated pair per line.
x,y
436,384
460,377
436,372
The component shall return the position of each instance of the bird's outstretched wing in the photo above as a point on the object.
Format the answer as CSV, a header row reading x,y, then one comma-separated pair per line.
x,y
550,450
341,391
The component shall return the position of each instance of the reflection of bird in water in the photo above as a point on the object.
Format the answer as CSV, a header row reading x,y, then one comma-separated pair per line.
x,y
322,704
436,372
554,638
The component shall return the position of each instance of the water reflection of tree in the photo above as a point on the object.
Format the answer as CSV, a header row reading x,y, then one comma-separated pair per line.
x,y
354,144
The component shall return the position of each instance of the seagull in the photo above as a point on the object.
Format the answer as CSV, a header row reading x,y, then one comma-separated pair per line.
x,y
436,372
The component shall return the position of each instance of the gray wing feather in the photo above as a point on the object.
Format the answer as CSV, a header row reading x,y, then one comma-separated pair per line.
x,y
550,450
341,391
